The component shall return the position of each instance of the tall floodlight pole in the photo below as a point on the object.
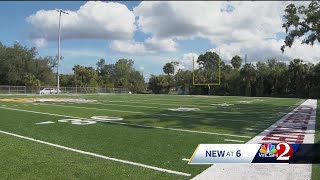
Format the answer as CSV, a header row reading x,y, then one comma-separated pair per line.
x,y
58,76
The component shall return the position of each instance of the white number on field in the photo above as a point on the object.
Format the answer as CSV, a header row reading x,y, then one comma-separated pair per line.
x,y
92,120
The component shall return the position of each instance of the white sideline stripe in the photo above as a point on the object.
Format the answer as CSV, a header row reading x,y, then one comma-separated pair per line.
x,y
98,155
185,159
138,125
232,140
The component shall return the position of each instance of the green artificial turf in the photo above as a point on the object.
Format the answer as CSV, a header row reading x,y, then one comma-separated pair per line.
x,y
163,148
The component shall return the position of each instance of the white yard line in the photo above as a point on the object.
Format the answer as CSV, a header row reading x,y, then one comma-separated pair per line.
x,y
113,101
263,123
174,129
235,120
46,122
93,108
126,105
185,116
251,129
151,99
232,140
169,105
248,132
97,155
185,159
137,125
37,112
258,126
175,104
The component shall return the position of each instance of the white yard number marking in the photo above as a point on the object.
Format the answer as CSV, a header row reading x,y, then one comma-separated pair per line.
x,y
78,121
92,120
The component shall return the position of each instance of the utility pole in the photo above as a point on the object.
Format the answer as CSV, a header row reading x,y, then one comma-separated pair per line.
x,y
58,76
245,59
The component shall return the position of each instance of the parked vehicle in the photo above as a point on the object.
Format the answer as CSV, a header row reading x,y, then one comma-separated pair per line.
x,y
49,91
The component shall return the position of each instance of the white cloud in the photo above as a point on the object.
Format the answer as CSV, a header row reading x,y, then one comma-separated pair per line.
x,y
94,20
166,45
306,52
233,27
128,46
40,42
267,49
151,45
76,53
248,21
186,62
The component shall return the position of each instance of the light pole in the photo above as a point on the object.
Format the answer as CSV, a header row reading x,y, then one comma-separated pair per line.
x,y
58,76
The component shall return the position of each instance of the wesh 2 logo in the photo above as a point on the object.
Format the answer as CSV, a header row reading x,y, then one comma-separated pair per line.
x,y
281,151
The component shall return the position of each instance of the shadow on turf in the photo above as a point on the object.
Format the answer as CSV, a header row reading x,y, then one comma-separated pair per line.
x,y
212,121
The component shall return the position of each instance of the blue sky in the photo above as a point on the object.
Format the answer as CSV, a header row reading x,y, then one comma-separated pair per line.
x,y
150,33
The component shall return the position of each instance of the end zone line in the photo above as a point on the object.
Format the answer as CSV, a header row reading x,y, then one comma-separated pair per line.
x,y
138,125
98,155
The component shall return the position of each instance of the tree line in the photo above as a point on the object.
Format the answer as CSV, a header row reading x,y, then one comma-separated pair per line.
x,y
266,78
21,66
122,74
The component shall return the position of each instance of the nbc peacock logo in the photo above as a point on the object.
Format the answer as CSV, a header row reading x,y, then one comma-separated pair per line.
x,y
268,150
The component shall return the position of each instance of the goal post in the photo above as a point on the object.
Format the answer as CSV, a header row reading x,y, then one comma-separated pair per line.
x,y
209,83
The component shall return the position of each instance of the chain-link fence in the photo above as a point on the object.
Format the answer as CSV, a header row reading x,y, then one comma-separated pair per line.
x,y
63,90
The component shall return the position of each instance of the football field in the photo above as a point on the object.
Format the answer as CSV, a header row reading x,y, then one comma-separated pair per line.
x,y
124,136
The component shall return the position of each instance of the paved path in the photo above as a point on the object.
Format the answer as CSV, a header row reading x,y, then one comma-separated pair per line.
x,y
298,126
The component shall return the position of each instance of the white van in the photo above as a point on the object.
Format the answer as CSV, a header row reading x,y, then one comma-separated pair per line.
x,y
49,91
